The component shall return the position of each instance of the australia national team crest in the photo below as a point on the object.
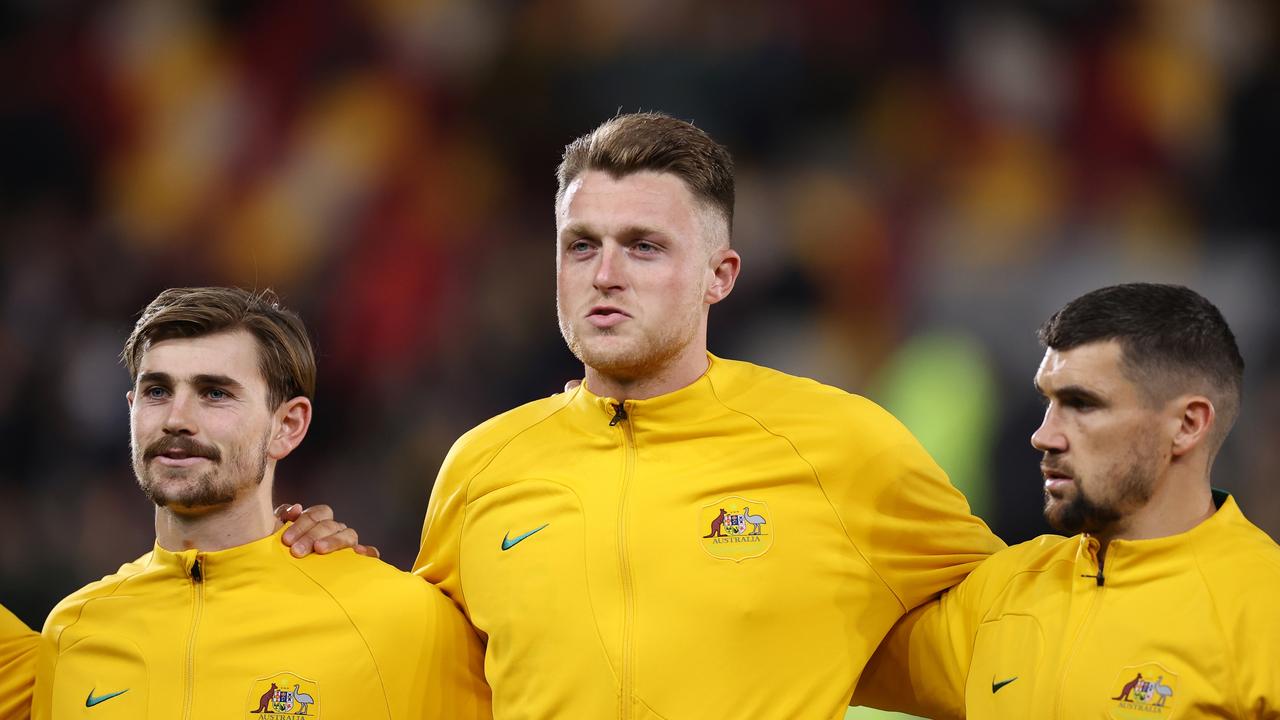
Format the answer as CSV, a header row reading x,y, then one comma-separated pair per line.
x,y
283,695
736,528
1141,692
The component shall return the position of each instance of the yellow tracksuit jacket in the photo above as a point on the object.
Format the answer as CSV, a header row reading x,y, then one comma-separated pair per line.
x,y
736,548
17,666
252,632
1181,627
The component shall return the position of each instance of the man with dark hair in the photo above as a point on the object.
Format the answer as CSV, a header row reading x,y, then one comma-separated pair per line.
x,y
681,536
218,620
1165,601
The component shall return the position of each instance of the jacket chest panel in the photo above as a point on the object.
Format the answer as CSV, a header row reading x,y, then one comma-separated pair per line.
x,y
555,561
106,675
1135,652
241,658
1149,653
534,580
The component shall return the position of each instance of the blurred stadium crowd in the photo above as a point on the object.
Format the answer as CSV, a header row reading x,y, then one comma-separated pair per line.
x,y
920,185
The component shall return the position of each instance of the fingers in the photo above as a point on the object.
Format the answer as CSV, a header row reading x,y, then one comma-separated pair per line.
x,y
304,527
318,537
331,535
315,530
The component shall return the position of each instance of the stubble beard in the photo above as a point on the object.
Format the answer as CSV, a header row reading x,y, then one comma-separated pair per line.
x,y
1133,486
621,354
216,486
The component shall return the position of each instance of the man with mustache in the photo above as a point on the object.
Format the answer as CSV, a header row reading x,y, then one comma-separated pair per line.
x,y
1165,602
219,620
598,539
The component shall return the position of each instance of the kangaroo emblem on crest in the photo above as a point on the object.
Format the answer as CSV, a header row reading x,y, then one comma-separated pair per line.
x,y
716,525
264,700
1128,688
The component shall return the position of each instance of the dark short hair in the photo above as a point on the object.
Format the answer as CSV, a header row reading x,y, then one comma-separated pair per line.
x,y
285,356
654,141
1170,337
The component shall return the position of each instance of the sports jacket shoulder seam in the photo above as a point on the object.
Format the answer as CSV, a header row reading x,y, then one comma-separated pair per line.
x,y
97,596
1004,586
494,455
1232,659
818,481
297,567
466,502
972,640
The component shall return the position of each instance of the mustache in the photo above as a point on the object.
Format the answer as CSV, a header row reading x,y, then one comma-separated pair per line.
x,y
185,444
1048,465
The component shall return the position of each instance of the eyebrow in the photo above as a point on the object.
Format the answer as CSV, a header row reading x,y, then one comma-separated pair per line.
x,y
630,231
1072,392
164,378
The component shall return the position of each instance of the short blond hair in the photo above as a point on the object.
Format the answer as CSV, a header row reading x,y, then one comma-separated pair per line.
x,y
657,142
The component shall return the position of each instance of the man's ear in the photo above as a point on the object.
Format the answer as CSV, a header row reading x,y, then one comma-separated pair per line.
x,y
1194,424
292,419
128,397
725,264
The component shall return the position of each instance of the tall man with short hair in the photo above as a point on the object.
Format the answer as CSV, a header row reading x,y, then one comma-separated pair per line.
x,y
682,536
218,620
1165,602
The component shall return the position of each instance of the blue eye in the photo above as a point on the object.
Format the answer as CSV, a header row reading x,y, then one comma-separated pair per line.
x,y
155,391
217,394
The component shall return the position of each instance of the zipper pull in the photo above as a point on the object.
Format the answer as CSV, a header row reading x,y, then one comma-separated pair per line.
x,y
619,414
196,574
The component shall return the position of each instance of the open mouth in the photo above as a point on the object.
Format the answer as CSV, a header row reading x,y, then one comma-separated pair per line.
x,y
1055,480
603,316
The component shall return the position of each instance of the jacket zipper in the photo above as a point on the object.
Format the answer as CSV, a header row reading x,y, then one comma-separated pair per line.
x,y
628,599
197,607
1095,601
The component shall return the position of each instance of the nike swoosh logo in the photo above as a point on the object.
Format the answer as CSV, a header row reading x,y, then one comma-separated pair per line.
x,y
508,543
91,700
995,686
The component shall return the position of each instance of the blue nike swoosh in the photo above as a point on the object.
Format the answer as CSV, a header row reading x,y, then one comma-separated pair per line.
x,y
91,700
508,544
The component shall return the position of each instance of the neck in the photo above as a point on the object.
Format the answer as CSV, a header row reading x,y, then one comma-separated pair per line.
x,y
1181,501
680,373
243,520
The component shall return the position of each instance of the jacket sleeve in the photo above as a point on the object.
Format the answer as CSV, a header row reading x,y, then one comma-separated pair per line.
x,y
18,650
914,528
1254,632
438,556
455,666
921,666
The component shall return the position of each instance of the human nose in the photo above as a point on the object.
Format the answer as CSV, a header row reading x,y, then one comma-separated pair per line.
x,y
180,419
1049,436
609,275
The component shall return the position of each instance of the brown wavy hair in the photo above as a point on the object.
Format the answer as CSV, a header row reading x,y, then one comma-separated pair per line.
x,y
285,356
